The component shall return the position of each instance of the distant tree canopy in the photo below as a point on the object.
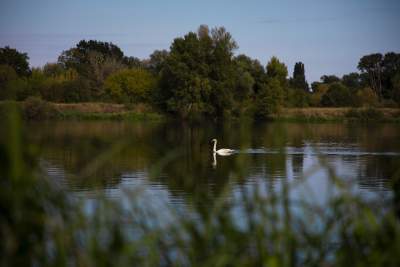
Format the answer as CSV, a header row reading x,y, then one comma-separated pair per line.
x,y
157,60
87,51
380,71
353,81
130,85
299,77
277,70
327,79
253,67
337,96
16,60
198,73
199,76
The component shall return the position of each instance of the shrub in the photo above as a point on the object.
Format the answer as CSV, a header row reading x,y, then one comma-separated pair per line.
x,y
298,98
130,85
34,108
269,100
337,96
12,86
318,92
366,98
365,114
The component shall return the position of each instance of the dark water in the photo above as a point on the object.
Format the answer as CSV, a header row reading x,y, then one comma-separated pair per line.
x,y
173,162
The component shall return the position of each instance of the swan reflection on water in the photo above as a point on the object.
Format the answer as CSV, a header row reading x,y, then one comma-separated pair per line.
x,y
214,163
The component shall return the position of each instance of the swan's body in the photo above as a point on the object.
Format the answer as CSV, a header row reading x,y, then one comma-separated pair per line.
x,y
222,151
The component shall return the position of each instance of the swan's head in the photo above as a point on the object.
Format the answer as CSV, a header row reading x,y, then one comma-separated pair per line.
x,y
214,140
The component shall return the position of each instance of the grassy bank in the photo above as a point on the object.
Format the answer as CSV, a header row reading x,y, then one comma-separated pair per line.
x,y
37,109
106,111
338,114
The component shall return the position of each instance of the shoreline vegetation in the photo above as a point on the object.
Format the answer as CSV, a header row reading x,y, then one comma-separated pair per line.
x,y
35,109
200,76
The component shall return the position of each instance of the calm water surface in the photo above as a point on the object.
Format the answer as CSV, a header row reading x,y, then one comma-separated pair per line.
x,y
173,162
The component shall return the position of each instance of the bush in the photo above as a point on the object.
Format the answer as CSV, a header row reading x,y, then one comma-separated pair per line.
x,y
269,100
366,98
337,96
365,114
298,98
318,92
389,103
13,87
34,108
130,85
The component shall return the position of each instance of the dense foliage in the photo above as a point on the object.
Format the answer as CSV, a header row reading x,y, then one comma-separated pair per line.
x,y
200,76
130,85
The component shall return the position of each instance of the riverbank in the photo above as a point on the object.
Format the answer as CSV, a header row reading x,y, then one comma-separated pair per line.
x,y
106,111
338,114
37,109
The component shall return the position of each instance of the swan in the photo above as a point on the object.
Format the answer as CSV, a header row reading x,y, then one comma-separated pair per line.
x,y
222,151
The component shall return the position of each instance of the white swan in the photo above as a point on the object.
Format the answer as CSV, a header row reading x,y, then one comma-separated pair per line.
x,y
222,151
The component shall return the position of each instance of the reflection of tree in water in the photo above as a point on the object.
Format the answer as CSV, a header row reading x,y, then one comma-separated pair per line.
x,y
76,146
297,165
189,173
377,172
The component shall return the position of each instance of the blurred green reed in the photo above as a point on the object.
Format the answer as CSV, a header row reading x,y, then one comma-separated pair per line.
x,y
40,225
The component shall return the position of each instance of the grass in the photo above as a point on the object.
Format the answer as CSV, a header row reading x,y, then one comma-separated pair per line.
x,y
42,225
36,109
126,115
338,114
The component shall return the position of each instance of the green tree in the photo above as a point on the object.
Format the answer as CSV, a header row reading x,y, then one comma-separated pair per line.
x,y
366,97
132,62
52,69
130,85
94,61
337,95
79,56
198,76
396,87
157,60
55,83
352,80
7,75
244,64
299,78
270,99
372,65
18,61
390,68
327,79
277,70
318,92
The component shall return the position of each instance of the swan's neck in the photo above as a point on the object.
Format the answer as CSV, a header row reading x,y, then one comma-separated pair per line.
x,y
215,146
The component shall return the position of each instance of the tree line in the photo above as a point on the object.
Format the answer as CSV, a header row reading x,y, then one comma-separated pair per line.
x,y
199,76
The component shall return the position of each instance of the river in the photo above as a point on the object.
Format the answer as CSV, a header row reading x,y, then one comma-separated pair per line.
x,y
173,162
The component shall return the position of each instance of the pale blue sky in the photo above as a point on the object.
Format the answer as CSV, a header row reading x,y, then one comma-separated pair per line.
x,y
329,37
